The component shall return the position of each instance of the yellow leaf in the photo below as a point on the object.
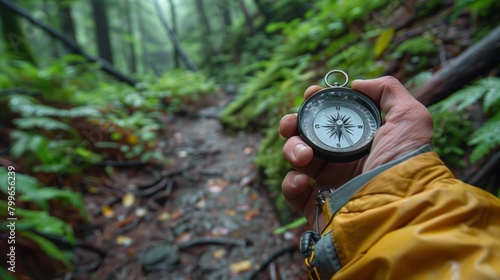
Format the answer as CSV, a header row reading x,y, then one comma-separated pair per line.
x,y
132,139
163,216
240,266
92,189
383,41
124,240
219,253
107,211
128,200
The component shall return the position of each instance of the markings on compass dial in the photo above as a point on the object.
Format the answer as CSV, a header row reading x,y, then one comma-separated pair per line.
x,y
336,123
339,127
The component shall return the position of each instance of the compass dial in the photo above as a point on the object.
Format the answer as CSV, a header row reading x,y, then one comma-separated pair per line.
x,y
339,123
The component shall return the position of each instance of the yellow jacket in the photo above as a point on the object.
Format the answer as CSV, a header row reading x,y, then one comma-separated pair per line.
x,y
414,220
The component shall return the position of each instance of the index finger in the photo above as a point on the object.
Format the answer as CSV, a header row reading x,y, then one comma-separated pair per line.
x,y
310,90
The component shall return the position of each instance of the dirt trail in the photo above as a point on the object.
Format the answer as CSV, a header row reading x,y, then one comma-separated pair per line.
x,y
203,216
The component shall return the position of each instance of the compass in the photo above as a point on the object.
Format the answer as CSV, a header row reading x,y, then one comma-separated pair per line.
x,y
338,123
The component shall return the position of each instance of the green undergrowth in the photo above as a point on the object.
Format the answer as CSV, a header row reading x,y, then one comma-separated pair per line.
x,y
65,118
350,36
453,129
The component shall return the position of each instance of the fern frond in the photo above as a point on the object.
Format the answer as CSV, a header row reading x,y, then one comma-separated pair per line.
x,y
51,193
485,138
462,98
24,183
492,95
41,123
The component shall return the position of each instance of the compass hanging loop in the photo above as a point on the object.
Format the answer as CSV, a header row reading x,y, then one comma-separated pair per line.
x,y
336,84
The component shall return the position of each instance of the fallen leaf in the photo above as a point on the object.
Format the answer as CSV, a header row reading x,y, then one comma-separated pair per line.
x,y
248,150
216,185
163,216
219,231
108,212
240,266
230,212
254,196
219,253
125,221
247,180
183,237
242,207
128,199
250,214
131,251
92,189
141,212
201,203
132,139
124,240
177,214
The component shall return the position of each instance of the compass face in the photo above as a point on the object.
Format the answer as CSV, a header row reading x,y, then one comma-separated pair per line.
x,y
338,126
339,123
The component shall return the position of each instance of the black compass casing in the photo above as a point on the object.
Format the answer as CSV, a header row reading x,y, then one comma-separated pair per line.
x,y
318,118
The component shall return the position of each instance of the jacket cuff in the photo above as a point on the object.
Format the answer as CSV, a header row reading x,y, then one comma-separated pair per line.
x,y
339,197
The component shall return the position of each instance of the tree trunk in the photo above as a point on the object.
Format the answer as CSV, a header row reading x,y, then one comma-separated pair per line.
x,y
67,22
264,9
10,7
154,55
226,15
173,15
248,18
16,41
131,43
475,61
205,36
143,52
102,30
190,64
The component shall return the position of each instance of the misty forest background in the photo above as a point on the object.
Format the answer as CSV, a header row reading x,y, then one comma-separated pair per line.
x,y
84,85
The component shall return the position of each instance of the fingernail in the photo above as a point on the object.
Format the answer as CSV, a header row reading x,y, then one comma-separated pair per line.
x,y
295,180
299,148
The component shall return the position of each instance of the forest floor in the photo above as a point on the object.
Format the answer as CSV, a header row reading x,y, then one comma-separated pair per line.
x,y
205,215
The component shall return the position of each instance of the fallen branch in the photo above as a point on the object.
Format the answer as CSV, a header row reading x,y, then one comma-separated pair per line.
x,y
213,241
472,63
65,244
68,42
269,260
488,167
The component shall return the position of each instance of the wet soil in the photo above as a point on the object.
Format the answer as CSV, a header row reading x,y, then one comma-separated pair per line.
x,y
202,215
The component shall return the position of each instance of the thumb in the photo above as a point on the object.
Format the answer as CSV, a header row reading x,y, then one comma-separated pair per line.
x,y
408,123
387,92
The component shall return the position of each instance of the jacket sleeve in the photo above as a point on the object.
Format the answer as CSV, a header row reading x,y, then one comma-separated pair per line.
x,y
414,220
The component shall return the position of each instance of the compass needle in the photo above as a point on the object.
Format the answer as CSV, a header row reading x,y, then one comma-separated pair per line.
x,y
348,137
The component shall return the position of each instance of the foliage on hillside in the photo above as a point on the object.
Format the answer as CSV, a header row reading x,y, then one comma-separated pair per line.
x,y
68,117
365,39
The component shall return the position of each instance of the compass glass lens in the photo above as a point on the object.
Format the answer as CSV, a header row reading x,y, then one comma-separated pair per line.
x,y
338,127
338,123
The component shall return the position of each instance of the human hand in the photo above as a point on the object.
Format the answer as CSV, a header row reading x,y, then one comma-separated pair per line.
x,y
407,126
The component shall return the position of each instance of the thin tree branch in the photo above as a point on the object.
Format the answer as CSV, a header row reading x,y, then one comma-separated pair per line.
x,y
68,42
177,45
